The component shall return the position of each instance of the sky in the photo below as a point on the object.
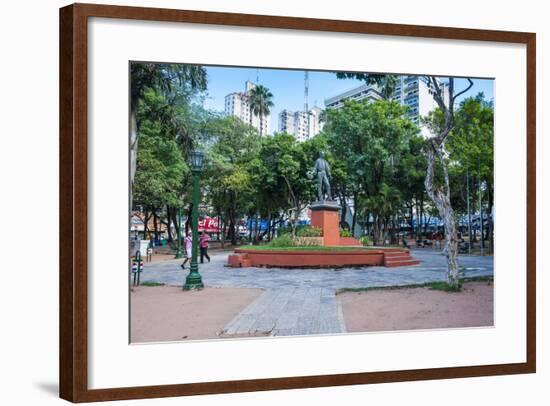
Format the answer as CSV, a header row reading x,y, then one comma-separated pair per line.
x,y
287,87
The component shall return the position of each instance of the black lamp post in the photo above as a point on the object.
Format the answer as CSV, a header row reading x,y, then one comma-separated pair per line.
x,y
194,279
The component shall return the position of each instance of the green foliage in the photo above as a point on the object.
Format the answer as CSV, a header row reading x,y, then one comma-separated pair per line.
x,y
345,233
438,285
151,284
445,286
373,142
160,165
165,78
386,83
261,102
309,231
375,151
281,173
469,148
229,177
284,240
303,248
365,240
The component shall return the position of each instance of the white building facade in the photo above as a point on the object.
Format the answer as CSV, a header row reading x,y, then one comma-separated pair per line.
x,y
300,124
410,91
286,122
238,104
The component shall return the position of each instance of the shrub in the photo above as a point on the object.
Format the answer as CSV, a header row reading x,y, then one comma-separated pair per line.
x,y
345,233
365,240
284,240
309,231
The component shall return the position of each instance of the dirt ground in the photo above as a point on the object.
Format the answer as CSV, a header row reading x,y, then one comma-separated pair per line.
x,y
418,308
167,313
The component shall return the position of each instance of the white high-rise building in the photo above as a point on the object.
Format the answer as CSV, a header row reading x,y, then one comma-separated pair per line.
x,y
368,92
410,91
286,122
238,104
300,124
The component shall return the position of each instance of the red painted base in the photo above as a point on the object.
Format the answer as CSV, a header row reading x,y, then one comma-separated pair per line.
x,y
390,257
328,221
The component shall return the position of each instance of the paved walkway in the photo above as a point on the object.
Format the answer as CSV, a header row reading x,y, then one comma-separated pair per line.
x,y
302,301
289,311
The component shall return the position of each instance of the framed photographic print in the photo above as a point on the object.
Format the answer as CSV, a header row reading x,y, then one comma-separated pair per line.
x,y
256,202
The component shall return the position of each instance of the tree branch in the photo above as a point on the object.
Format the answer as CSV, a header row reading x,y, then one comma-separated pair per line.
x,y
470,84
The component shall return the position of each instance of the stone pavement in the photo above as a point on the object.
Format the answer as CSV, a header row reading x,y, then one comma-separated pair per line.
x,y
289,311
302,301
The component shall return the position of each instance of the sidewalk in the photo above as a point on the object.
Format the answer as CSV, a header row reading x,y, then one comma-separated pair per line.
x,y
303,301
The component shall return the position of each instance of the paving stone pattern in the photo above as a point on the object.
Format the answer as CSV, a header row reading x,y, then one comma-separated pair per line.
x,y
303,301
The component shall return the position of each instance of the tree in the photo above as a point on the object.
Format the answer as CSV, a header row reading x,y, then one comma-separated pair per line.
x,y
261,102
386,83
471,150
440,123
234,144
409,180
288,161
370,138
160,168
386,204
163,78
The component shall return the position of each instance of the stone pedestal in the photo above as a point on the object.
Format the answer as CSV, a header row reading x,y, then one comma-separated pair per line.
x,y
324,214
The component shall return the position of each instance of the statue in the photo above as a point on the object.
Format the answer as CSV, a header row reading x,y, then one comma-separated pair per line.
x,y
322,170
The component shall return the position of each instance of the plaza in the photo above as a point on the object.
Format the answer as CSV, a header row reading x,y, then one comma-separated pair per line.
x,y
305,301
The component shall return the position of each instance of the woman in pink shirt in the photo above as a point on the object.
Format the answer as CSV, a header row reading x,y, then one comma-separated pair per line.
x,y
203,245
188,241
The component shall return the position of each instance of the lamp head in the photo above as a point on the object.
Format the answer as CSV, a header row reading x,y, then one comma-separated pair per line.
x,y
197,160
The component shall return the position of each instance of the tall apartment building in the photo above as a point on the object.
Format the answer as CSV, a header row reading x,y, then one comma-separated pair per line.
x,y
286,122
410,91
300,124
238,104
368,92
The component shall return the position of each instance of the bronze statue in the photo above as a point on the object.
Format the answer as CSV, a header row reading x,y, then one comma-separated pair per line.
x,y
322,170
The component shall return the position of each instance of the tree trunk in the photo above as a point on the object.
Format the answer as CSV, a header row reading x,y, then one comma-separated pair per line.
x,y
155,225
224,231
342,197
354,216
421,220
133,148
442,199
168,225
490,203
232,219
257,228
174,216
411,219
189,218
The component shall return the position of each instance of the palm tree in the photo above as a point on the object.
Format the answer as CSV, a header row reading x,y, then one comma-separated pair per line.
x,y
261,101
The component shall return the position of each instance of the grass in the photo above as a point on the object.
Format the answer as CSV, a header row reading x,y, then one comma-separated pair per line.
x,y
151,284
439,285
302,248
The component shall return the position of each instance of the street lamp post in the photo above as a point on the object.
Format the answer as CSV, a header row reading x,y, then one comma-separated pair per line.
x,y
194,278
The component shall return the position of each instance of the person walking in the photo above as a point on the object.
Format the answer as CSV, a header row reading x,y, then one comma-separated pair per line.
x,y
188,241
203,244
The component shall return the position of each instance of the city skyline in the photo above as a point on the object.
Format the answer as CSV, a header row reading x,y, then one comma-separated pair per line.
x,y
287,87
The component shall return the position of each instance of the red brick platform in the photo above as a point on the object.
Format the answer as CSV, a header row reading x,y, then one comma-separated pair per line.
x,y
390,257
